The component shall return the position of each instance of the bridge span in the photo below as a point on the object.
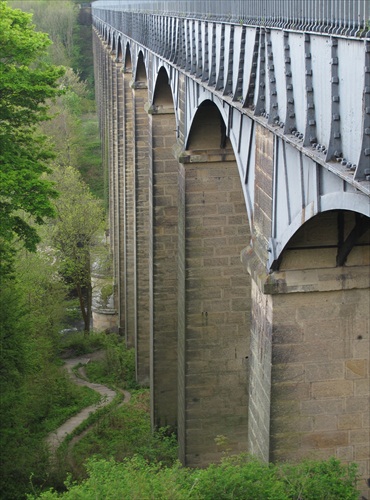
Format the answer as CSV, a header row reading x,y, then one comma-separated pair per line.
x,y
236,139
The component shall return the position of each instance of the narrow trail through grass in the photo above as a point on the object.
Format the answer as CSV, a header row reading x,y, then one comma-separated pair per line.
x,y
55,438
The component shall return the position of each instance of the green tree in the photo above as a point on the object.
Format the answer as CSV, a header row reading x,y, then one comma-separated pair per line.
x,y
58,19
26,83
79,218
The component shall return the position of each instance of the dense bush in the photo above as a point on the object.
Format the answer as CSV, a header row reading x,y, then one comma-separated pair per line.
x,y
235,478
117,367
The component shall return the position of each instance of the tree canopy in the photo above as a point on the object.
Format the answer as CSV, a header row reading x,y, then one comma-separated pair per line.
x,y
79,216
26,84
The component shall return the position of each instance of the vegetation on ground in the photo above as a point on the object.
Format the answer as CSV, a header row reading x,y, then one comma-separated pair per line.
x,y
36,395
237,477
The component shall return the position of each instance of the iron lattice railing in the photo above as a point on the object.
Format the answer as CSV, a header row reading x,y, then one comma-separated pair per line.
x,y
346,17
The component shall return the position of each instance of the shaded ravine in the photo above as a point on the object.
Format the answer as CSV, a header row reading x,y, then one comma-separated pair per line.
x,y
55,438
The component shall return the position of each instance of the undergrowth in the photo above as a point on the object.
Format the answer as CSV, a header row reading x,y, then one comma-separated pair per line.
x,y
238,478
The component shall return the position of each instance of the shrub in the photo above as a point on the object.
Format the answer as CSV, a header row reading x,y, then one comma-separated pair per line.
x,y
235,478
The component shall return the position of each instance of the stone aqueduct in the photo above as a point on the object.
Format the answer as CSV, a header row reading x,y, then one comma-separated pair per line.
x,y
237,149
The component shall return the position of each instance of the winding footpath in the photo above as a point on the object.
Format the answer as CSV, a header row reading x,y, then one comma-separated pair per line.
x,y
55,438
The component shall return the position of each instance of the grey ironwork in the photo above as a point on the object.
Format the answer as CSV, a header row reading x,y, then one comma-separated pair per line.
x,y
349,17
310,86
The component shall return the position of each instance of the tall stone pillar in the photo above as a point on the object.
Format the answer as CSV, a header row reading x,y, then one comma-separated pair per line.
x,y
163,199
213,308
129,236
142,344
310,347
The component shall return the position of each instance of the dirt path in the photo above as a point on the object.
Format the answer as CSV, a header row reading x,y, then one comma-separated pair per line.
x,y
55,438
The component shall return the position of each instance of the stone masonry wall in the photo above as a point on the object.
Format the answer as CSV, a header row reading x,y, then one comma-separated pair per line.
x,y
164,258
321,349
262,216
260,374
142,233
129,213
214,314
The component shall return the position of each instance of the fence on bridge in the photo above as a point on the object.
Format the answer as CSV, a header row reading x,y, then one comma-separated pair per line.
x,y
340,17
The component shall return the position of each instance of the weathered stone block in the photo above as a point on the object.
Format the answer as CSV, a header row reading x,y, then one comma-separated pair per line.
x,y
332,389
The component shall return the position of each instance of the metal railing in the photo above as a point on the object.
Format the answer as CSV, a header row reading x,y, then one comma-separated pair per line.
x,y
348,17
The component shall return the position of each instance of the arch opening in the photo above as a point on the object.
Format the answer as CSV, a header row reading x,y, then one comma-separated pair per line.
x,y
162,96
140,77
208,129
339,235
128,63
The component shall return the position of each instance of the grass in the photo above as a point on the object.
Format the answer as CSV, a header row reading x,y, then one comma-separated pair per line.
x,y
117,431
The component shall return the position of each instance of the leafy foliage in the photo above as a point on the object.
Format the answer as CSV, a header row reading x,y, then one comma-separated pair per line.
x,y
79,217
117,368
26,83
235,478
36,395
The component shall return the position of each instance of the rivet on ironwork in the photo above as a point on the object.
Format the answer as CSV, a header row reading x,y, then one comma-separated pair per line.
x,y
308,55
335,79
313,140
334,42
344,161
292,115
367,131
309,89
281,124
367,152
311,105
349,165
286,47
336,135
367,90
336,117
274,92
367,110
337,154
289,86
271,67
288,74
273,79
312,122
334,61
287,60
335,98
367,69
291,100
308,72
